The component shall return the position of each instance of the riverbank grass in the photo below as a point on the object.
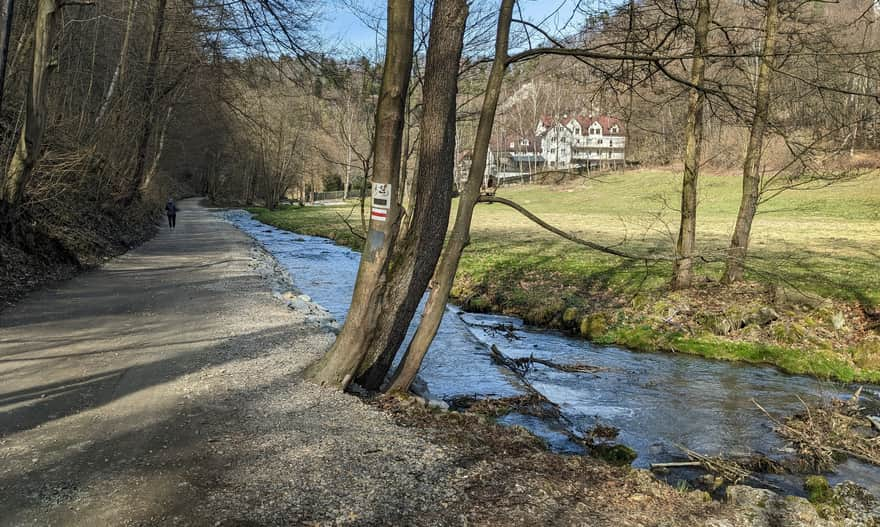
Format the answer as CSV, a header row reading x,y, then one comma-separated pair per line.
x,y
813,268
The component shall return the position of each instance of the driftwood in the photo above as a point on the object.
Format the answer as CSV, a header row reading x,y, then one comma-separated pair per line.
x,y
732,470
508,331
825,434
521,365
586,440
569,368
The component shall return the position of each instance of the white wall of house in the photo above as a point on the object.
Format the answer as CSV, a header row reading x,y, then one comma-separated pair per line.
x,y
569,145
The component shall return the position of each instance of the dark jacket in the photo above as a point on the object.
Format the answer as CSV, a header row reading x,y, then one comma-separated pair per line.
x,y
171,208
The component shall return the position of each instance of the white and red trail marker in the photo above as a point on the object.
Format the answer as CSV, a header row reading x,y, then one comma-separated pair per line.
x,y
379,214
381,202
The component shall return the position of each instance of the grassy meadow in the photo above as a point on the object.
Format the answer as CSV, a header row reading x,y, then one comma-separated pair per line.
x,y
819,242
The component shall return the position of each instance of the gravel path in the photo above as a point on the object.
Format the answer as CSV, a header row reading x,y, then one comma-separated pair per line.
x,y
165,389
128,395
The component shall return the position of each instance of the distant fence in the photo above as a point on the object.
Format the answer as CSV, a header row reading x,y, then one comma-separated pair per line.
x,y
507,178
334,195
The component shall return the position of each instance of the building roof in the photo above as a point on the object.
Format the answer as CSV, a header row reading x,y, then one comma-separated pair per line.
x,y
605,121
501,143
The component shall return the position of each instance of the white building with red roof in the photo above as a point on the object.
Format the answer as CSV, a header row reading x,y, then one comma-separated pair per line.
x,y
570,142
582,141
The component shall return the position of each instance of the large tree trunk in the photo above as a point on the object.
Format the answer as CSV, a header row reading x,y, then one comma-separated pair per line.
x,y
149,102
8,13
27,150
682,274
418,250
748,206
339,365
458,240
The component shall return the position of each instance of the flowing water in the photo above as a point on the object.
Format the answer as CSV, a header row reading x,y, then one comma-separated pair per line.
x,y
659,401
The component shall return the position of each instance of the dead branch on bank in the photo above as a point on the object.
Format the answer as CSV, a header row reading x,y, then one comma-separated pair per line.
x,y
736,470
731,470
531,404
824,435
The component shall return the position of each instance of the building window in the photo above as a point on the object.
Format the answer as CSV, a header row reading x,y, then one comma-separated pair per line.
x,y
552,150
615,129
611,143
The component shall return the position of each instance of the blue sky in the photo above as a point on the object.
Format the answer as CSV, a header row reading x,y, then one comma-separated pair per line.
x,y
342,27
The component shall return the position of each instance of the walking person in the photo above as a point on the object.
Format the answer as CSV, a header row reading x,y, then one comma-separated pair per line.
x,y
171,211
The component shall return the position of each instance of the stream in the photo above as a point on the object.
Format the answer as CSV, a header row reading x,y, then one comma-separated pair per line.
x,y
657,400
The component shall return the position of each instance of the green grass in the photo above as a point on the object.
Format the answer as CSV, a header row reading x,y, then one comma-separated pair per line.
x,y
328,222
822,364
825,242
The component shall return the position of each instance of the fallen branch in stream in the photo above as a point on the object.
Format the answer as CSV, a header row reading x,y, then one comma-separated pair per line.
x,y
507,331
597,440
568,368
521,365
512,365
676,464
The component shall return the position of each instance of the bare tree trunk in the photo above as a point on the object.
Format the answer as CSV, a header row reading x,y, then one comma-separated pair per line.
x,y
404,161
149,101
160,147
8,13
682,274
752,165
460,237
27,150
347,183
119,71
418,250
339,365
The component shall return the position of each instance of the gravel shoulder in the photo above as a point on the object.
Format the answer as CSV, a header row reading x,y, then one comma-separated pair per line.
x,y
165,389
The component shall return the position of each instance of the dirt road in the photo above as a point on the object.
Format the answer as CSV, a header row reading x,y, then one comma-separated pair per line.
x,y
150,390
